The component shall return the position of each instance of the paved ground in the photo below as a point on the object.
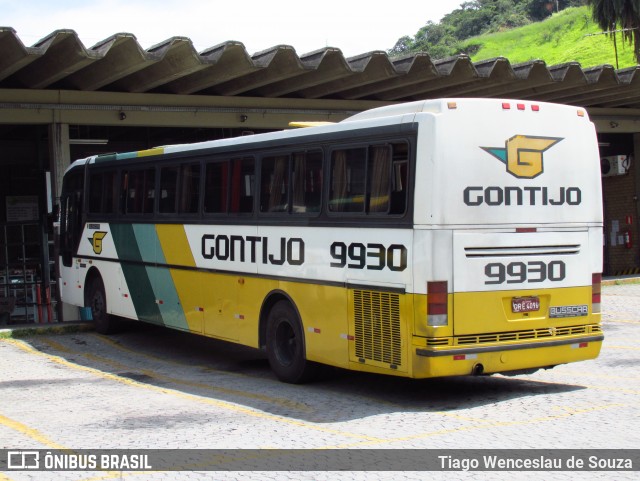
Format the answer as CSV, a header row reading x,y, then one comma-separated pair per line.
x,y
152,388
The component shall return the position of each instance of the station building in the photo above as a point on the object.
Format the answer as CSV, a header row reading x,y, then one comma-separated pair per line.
x,y
60,101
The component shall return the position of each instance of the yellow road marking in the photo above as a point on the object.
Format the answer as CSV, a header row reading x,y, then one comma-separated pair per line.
x,y
116,345
191,397
38,437
363,439
162,377
122,348
29,432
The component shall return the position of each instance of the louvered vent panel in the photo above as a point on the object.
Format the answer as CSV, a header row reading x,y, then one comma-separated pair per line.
x,y
377,327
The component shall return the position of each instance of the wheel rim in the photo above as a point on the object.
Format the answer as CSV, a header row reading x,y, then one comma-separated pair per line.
x,y
286,343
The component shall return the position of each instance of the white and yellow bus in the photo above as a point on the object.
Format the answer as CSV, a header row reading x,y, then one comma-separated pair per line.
x,y
433,238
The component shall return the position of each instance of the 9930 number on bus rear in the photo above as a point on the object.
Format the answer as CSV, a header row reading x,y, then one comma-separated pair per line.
x,y
524,272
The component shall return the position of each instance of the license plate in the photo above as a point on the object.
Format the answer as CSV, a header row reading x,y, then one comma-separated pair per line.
x,y
525,304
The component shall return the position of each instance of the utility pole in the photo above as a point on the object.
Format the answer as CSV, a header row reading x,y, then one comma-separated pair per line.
x,y
615,43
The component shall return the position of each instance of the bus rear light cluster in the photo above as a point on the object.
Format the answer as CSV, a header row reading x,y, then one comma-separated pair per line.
x,y
596,290
437,312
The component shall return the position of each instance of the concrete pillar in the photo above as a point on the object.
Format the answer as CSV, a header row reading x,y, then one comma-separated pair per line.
x,y
60,156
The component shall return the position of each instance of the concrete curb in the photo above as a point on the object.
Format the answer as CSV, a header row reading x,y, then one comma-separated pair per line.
x,y
27,330
618,281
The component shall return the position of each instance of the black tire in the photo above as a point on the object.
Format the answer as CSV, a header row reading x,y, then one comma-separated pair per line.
x,y
97,301
285,345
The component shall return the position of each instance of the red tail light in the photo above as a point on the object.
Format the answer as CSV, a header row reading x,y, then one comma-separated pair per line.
x,y
596,290
437,303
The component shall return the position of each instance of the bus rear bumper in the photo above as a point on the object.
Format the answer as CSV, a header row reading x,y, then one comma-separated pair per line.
x,y
437,362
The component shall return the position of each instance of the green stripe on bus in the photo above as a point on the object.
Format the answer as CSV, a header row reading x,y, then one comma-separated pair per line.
x,y
105,158
135,273
164,289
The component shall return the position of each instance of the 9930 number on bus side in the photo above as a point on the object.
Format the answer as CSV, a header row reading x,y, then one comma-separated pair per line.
x,y
524,272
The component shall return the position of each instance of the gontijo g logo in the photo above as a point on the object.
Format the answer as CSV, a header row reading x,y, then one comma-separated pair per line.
x,y
522,154
96,241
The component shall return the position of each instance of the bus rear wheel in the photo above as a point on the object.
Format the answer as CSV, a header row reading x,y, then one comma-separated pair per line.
x,y
285,345
96,300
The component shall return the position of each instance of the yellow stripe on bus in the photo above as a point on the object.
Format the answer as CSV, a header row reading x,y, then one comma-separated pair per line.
x,y
176,250
148,152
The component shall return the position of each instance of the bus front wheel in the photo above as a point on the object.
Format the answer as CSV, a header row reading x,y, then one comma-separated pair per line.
x,y
96,300
285,345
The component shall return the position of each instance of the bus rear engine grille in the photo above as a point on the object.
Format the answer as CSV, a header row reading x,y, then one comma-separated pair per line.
x,y
377,327
527,335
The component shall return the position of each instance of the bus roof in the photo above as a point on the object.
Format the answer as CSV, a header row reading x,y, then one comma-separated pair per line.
x,y
371,118
437,106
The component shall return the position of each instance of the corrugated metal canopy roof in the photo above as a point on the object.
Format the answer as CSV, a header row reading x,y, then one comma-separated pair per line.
x,y
119,64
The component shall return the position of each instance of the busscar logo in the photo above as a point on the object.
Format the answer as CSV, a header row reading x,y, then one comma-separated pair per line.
x,y
96,241
522,154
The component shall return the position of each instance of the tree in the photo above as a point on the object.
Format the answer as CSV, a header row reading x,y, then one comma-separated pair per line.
x,y
624,15
476,17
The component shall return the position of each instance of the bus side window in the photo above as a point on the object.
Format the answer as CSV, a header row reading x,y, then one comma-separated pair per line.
x,y
274,184
140,191
96,190
307,182
379,173
347,189
110,193
189,189
216,187
168,190
399,188
242,185
369,180
399,178
103,192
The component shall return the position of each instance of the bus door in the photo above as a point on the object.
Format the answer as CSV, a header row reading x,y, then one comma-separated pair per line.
x,y
71,226
224,295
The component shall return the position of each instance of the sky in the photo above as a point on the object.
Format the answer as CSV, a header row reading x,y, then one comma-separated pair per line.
x,y
353,26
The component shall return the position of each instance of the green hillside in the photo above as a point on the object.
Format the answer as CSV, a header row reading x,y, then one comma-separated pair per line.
x,y
559,39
